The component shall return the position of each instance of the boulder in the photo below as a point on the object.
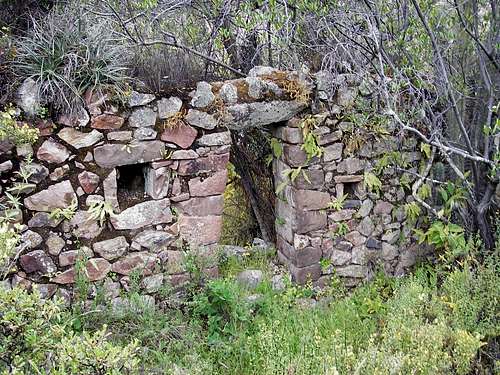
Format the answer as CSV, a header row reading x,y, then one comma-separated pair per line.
x,y
168,107
157,182
228,93
95,269
137,99
142,117
182,135
215,139
143,214
110,186
153,240
79,139
153,283
201,119
259,114
203,95
28,97
202,206
37,261
198,230
213,185
84,226
43,219
112,248
88,181
144,134
59,195
250,278
142,261
107,122
54,244
113,155
123,136
52,152
38,172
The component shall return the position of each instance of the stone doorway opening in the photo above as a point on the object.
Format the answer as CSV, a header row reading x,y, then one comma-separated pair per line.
x,y
249,199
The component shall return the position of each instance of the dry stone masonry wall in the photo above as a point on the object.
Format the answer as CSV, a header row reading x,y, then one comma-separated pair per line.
x,y
330,217
128,188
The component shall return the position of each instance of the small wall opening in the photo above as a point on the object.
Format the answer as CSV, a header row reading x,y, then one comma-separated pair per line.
x,y
131,184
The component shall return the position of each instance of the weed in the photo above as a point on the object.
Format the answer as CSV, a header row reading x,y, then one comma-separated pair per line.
x,y
66,213
100,211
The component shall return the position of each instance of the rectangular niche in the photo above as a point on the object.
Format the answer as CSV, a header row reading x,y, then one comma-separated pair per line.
x,y
131,184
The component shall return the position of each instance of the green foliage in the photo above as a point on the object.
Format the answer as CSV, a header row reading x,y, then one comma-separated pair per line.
x,y
12,130
68,54
424,191
341,230
372,182
412,211
311,140
453,196
101,211
276,147
446,237
66,213
36,337
221,306
290,175
337,203
9,238
390,159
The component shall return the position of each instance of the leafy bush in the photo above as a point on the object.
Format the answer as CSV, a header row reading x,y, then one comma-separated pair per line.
x,y
36,337
17,133
68,53
222,307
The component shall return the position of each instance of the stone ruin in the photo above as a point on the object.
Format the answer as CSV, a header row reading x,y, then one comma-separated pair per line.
x,y
160,165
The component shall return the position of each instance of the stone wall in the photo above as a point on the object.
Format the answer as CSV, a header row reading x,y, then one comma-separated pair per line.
x,y
369,230
158,167
158,163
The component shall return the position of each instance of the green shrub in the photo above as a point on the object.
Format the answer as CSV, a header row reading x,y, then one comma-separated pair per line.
x,y
36,337
69,52
17,133
222,307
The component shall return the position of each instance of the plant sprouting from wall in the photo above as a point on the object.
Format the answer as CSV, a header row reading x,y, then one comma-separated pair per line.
x,y
69,53
66,212
12,130
100,211
372,182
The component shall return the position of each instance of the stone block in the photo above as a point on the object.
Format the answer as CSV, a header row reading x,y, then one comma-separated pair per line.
x,y
59,195
308,200
107,122
95,269
308,221
112,248
301,275
333,152
307,256
142,261
198,230
202,206
210,163
212,185
182,135
156,182
113,155
143,214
